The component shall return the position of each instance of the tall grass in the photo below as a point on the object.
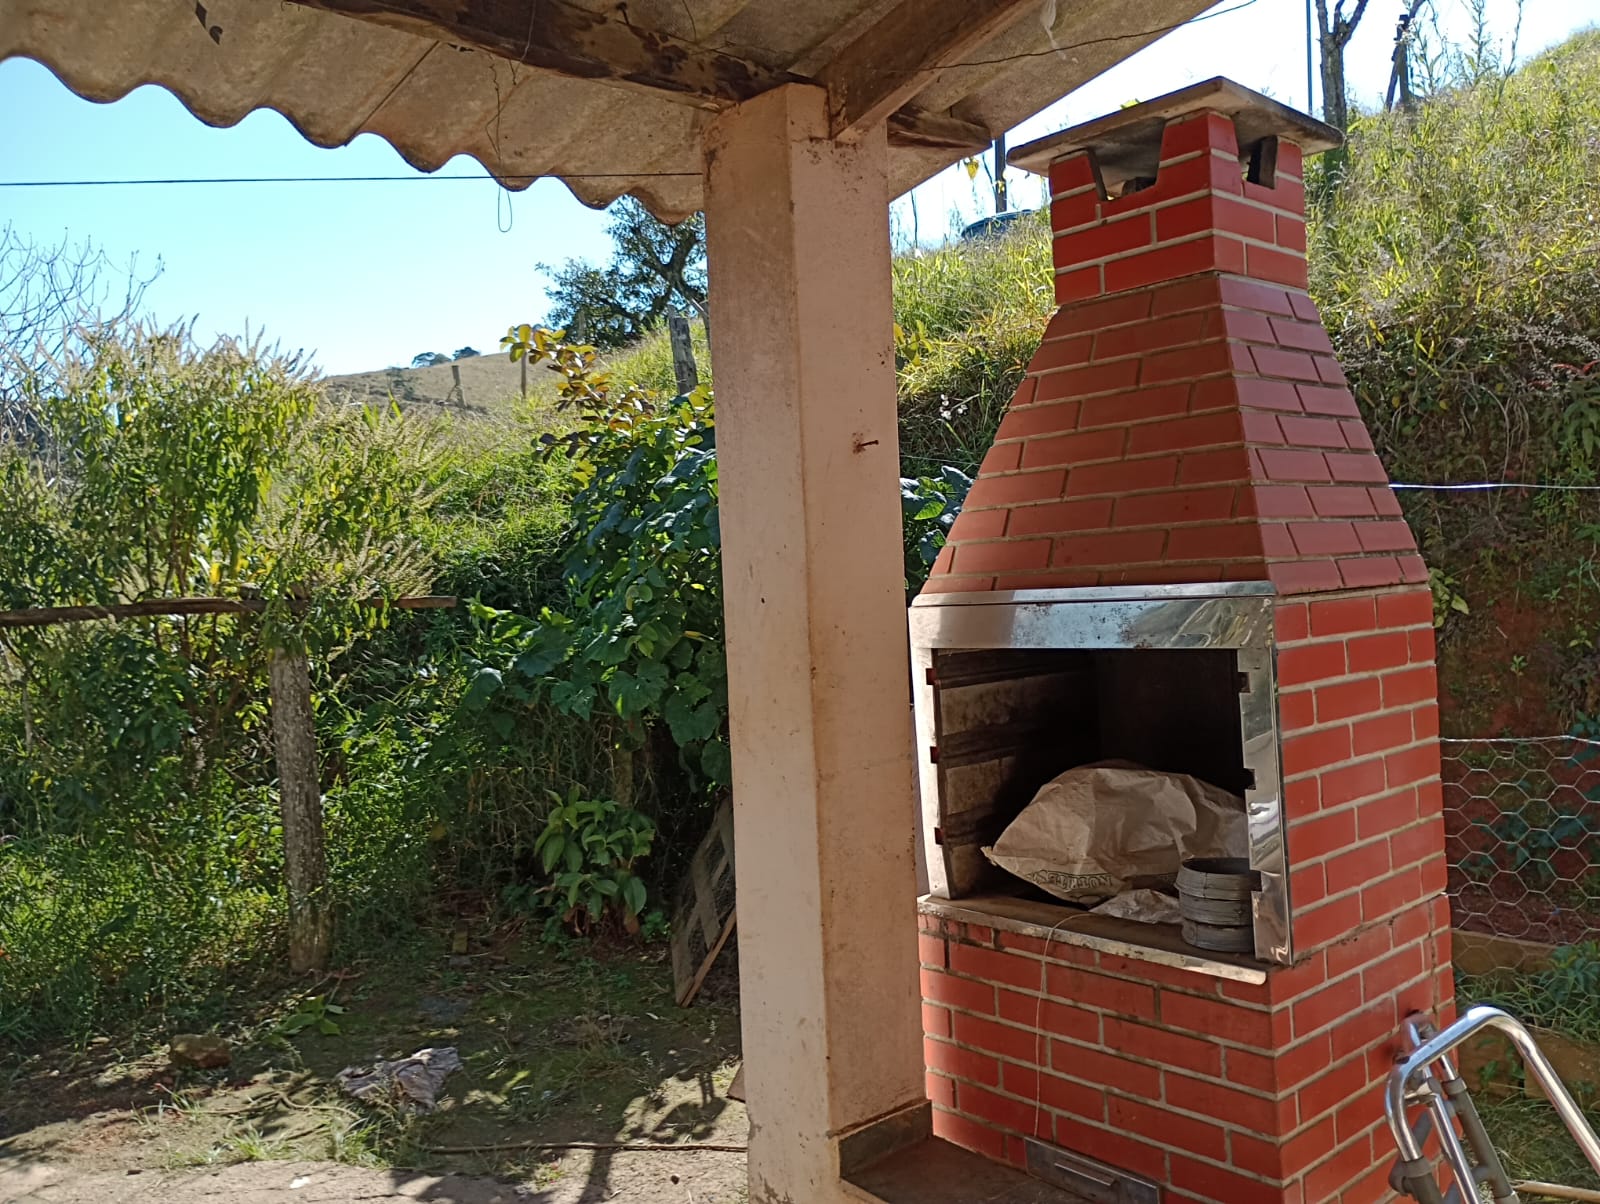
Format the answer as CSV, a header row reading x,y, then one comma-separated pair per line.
x,y
968,318
649,361
1458,264
1480,203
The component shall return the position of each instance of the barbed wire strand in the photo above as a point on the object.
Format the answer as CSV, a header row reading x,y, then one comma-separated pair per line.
x,y
1584,740
1480,486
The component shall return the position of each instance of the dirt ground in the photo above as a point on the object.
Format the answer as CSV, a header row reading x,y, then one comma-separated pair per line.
x,y
624,1178
577,1049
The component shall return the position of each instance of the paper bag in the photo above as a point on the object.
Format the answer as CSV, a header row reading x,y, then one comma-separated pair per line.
x,y
1098,830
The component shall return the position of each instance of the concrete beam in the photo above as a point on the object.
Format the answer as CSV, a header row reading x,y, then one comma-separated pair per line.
x,y
886,67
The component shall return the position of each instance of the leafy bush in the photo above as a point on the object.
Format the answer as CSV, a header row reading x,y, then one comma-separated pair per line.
x,y
1564,996
588,848
930,505
638,635
140,850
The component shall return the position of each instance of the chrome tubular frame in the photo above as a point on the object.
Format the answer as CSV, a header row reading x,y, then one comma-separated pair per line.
x,y
1412,1081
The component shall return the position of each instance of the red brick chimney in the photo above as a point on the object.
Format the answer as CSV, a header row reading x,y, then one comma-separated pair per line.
x,y
1184,418
1185,422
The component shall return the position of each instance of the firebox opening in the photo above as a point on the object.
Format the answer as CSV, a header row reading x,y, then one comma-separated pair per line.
x,y
1009,720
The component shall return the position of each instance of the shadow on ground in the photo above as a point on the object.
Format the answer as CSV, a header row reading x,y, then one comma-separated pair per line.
x,y
583,1049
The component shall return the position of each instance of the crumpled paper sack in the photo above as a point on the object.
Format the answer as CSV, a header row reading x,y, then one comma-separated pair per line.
x,y
1146,906
1098,830
410,1082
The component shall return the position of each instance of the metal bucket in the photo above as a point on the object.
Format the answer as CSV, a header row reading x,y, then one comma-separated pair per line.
x,y
1214,896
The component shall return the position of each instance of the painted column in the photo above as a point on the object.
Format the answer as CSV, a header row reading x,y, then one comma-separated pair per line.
x,y
798,249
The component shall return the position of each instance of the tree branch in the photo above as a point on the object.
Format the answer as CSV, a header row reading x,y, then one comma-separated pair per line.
x,y
1345,29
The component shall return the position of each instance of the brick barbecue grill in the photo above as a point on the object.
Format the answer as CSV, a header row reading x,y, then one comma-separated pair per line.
x,y
1182,551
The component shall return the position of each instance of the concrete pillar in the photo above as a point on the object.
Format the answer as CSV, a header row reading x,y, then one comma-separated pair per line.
x,y
798,251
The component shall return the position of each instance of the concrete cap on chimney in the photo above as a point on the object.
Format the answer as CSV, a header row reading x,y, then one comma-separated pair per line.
x,y
1127,143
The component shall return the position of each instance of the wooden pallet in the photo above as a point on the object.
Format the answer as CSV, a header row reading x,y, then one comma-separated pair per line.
x,y
704,918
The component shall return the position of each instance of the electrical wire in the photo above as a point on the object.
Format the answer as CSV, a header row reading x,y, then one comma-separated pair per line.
x,y
416,179
1158,31
1520,740
1398,486
1481,486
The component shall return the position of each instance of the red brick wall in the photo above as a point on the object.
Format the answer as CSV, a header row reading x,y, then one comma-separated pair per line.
x,y
1227,1092
1359,726
1224,1092
1200,215
1184,418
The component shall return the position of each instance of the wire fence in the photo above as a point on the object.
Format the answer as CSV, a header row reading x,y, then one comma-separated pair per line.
x,y
1522,834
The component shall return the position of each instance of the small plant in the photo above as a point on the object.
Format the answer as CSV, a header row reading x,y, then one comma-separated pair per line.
x,y
316,1013
589,847
1565,996
930,505
1531,837
656,925
1573,980
1447,600
1581,419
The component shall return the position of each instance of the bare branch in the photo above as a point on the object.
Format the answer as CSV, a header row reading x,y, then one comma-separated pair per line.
x,y
55,299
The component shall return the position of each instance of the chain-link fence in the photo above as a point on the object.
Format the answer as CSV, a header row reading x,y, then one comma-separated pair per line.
x,y
1522,833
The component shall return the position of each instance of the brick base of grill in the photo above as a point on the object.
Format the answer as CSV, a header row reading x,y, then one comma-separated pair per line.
x,y
1227,1092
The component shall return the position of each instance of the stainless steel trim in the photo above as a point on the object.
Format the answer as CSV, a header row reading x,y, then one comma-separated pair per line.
x,y
1237,616
1089,1179
1241,622
931,871
1258,725
1059,934
1101,593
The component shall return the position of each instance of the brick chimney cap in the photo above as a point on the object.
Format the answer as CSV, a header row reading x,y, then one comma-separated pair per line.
x,y
1127,143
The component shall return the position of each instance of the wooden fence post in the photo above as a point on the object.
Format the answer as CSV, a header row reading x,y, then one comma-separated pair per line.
x,y
294,736
683,366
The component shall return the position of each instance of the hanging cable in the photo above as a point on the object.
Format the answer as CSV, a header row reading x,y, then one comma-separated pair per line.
x,y
416,179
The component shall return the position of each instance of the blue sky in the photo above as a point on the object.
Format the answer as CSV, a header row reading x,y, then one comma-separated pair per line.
x,y
366,275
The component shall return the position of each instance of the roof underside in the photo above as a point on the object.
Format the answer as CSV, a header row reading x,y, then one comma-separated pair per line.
x,y
335,75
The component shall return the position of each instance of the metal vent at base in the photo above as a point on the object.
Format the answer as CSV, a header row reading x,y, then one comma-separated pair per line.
x,y
1094,1181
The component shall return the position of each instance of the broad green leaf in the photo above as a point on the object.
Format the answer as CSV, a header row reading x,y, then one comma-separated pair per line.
x,y
716,762
484,685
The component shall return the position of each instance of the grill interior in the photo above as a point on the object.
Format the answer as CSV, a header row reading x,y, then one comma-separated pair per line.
x,y
1009,720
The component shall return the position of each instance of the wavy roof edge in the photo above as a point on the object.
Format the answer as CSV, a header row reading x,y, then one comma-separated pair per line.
x,y
333,77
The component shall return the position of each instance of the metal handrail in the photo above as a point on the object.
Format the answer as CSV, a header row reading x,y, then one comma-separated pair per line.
x,y
1411,1073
